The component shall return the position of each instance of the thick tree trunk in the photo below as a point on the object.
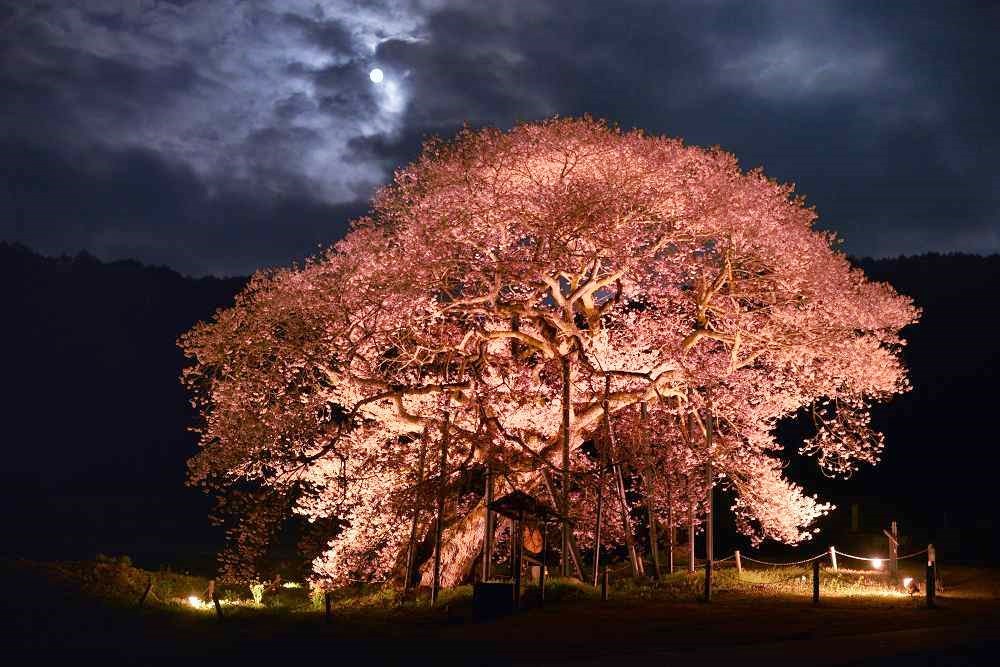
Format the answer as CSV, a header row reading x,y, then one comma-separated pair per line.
x,y
462,541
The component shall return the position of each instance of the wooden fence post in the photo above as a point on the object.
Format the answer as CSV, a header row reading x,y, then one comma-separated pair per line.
x,y
604,585
833,557
892,535
816,581
931,583
708,580
328,601
894,549
145,593
215,601
739,565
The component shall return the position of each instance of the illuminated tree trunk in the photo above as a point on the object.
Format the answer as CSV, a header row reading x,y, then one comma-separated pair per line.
x,y
439,523
564,561
411,551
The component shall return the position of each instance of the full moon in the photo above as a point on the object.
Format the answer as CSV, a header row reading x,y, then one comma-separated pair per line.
x,y
376,75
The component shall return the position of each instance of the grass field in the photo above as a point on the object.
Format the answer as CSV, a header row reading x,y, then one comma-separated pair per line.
x,y
90,609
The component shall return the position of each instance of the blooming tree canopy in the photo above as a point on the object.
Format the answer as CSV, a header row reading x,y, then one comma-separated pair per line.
x,y
515,295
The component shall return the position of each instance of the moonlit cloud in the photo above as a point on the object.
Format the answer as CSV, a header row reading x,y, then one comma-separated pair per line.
x,y
252,108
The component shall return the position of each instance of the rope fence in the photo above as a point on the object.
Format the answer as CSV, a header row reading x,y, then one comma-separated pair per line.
x,y
931,582
797,562
824,554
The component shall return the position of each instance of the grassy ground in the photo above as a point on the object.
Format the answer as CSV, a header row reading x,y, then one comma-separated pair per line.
x,y
90,609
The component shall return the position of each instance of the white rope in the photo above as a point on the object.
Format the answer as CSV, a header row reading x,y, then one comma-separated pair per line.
x,y
915,553
870,560
798,562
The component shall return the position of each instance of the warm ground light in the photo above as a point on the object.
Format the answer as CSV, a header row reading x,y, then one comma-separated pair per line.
x,y
766,615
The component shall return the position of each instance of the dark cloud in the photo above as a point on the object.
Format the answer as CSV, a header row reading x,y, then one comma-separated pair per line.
x,y
331,35
186,131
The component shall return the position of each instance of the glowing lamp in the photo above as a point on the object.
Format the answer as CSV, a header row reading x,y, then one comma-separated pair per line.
x,y
907,582
876,563
194,601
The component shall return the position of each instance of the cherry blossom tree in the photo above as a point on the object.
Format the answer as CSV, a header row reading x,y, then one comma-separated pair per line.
x,y
514,295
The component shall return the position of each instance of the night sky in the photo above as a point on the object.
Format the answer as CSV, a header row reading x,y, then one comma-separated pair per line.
x,y
219,137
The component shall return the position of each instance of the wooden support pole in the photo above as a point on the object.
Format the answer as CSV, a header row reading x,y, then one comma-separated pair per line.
x,y
709,493
654,542
518,552
490,528
328,603
637,569
574,552
545,559
816,581
833,558
604,585
411,550
619,482
439,521
708,580
931,583
512,546
654,546
671,530
564,506
739,565
691,559
600,510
